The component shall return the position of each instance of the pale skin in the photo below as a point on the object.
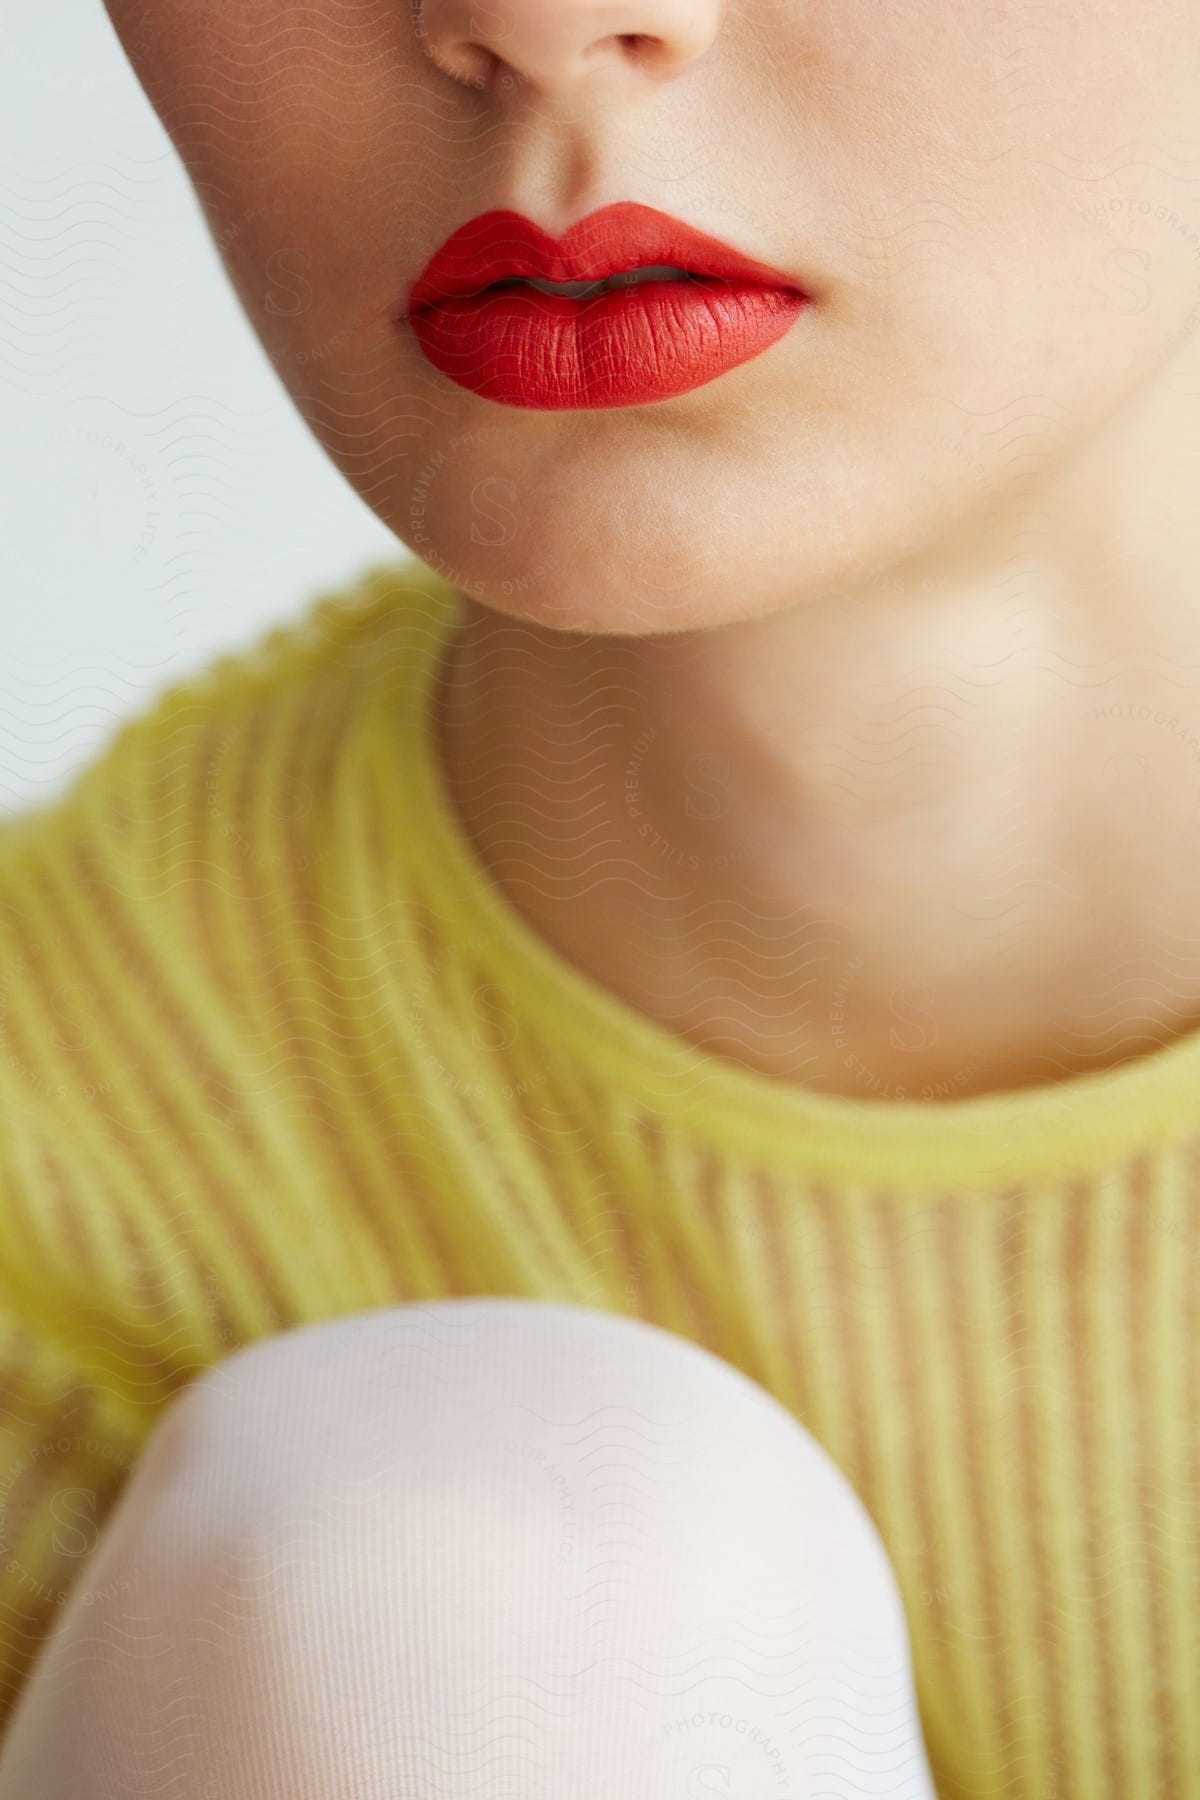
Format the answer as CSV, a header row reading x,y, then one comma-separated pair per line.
x,y
876,603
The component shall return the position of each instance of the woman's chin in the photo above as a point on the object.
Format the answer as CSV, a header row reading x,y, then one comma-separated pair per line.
x,y
642,584
587,600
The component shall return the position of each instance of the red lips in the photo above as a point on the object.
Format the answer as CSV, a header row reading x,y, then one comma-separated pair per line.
x,y
522,347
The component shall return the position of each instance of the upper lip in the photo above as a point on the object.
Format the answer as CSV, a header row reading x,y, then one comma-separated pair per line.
x,y
500,244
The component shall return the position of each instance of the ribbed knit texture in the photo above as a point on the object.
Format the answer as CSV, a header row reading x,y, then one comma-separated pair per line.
x,y
274,1048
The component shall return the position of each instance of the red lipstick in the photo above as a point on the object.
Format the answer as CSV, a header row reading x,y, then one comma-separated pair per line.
x,y
703,308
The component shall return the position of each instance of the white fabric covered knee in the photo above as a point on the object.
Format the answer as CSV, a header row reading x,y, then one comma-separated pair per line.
x,y
477,1547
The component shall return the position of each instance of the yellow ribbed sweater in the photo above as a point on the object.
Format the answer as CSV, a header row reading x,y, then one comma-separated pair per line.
x,y
274,1048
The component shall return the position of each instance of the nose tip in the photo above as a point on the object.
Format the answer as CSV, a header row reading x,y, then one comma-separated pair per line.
x,y
560,45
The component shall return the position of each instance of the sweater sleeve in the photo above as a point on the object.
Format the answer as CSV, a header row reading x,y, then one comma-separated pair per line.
x,y
67,1442
151,1126
77,1398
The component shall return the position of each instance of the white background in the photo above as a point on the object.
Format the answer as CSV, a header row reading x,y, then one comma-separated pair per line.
x,y
161,501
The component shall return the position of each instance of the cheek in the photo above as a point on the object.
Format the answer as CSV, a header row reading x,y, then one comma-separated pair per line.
x,y
176,57
247,141
240,88
299,143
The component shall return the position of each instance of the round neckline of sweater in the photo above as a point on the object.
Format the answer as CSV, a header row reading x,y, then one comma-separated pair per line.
x,y
1052,1131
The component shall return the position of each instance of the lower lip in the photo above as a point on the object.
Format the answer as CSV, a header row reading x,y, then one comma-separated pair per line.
x,y
629,345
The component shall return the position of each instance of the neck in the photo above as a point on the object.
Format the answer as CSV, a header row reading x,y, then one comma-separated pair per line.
x,y
936,833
